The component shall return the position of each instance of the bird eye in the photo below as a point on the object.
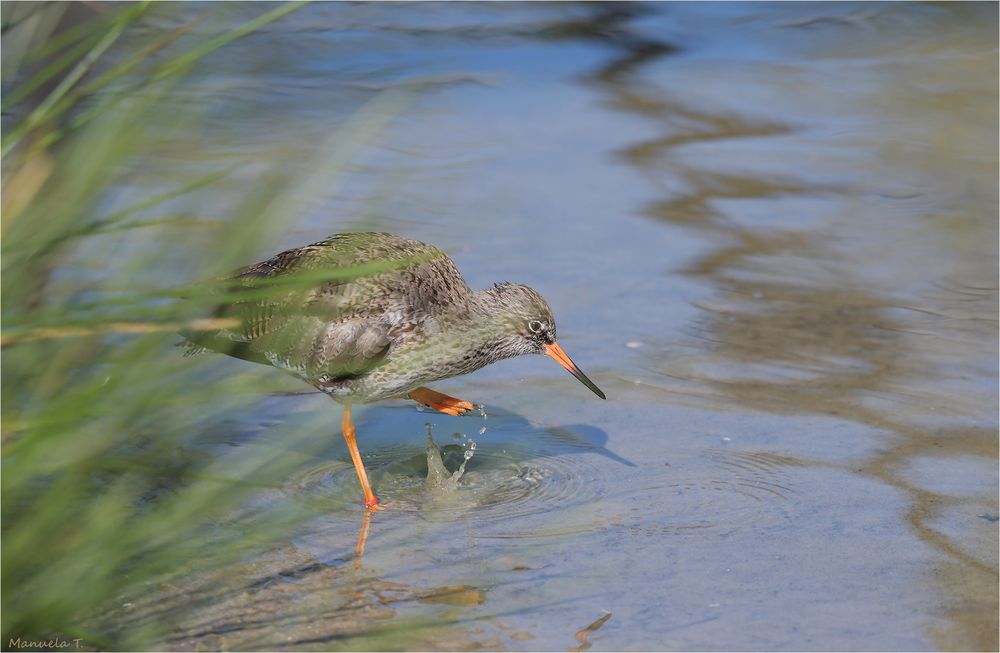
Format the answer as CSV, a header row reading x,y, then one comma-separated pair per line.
x,y
535,326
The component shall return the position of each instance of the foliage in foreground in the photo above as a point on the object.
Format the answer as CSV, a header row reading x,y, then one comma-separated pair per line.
x,y
107,481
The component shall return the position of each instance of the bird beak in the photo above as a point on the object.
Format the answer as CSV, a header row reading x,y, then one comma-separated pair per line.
x,y
556,352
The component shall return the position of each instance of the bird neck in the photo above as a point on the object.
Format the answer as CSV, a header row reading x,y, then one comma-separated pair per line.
x,y
487,316
483,334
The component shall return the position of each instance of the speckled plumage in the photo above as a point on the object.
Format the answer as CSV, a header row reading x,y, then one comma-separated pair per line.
x,y
397,314
372,316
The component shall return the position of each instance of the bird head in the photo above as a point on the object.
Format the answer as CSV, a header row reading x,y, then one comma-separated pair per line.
x,y
530,328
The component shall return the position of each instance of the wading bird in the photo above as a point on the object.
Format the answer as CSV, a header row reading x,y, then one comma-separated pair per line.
x,y
370,316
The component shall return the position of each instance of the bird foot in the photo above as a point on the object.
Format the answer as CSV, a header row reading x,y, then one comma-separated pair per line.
x,y
373,504
460,408
441,402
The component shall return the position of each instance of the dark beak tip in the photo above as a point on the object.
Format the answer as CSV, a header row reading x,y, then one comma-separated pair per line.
x,y
591,385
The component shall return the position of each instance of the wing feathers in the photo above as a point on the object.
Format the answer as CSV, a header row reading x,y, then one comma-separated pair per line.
x,y
341,328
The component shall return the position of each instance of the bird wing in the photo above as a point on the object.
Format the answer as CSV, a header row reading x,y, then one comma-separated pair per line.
x,y
332,308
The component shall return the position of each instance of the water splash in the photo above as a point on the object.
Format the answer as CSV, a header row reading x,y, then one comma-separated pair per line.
x,y
439,479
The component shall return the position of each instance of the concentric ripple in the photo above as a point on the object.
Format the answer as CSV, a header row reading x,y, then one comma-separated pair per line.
x,y
500,482
719,491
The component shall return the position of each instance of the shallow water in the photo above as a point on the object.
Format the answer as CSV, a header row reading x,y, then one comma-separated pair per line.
x,y
769,233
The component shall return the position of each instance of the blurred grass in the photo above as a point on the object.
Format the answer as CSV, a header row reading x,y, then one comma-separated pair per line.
x,y
108,485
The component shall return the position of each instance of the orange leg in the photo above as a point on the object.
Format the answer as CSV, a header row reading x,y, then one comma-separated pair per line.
x,y
441,402
347,426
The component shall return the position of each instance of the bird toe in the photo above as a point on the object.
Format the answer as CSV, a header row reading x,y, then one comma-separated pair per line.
x,y
461,408
458,409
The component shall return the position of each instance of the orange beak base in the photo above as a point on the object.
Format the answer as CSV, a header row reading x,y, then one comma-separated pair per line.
x,y
556,352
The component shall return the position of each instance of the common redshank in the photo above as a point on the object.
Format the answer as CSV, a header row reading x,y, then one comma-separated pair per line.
x,y
370,316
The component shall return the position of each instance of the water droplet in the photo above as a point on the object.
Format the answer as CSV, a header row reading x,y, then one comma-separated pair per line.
x,y
633,344
421,408
482,430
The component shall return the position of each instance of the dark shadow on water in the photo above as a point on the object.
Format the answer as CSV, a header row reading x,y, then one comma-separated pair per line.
x,y
513,468
589,438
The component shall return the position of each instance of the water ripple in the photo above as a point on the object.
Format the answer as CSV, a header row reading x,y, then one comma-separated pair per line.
x,y
723,491
500,482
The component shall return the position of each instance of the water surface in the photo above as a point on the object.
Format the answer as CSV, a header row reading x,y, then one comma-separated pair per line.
x,y
769,233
